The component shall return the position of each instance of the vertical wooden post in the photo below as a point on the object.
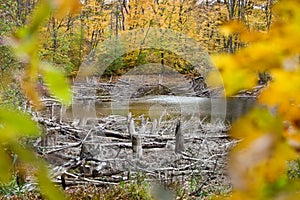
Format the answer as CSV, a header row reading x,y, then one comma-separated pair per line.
x,y
143,125
160,120
63,110
52,111
129,116
160,82
179,146
136,139
131,128
137,145
154,126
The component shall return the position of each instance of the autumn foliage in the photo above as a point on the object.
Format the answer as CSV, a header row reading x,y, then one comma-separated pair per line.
x,y
62,33
269,135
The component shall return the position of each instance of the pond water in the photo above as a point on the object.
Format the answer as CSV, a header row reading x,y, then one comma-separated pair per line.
x,y
154,106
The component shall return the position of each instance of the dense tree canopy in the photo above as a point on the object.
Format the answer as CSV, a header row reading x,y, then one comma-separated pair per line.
x,y
67,40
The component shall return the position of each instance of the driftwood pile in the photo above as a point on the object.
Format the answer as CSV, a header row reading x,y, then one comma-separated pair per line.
x,y
113,149
142,85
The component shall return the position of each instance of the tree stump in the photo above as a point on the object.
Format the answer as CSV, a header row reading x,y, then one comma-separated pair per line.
x,y
179,146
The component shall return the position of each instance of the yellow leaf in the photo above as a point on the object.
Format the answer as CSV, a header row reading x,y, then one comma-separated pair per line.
x,y
283,93
232,74
253,36
63,7
293,138
29,88
233,27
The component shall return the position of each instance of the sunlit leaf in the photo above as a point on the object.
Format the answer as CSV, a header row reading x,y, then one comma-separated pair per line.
x,y
233,27
14,123
56,82
254,57
5,166
283,94
40,14
63,7
253,36
233,74
29,88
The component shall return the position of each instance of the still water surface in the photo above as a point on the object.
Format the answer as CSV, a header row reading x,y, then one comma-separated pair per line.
x,y
154,106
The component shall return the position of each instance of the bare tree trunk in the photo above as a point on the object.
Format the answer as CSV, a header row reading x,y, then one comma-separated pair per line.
x,y
123,8
54,38
81,36
268,12
117,21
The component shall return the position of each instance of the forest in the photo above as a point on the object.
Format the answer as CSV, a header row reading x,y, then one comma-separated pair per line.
x,y
149,99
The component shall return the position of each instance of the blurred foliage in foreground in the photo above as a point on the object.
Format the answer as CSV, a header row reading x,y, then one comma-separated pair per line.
x,y
270,135
13,123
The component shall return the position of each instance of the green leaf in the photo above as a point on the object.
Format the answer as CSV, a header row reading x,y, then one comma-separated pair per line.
x,y
56,83
40,14
5,172
46,186
14,123
25,154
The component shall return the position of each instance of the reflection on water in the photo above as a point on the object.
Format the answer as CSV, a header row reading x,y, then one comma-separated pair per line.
x,y
236,107
154,106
